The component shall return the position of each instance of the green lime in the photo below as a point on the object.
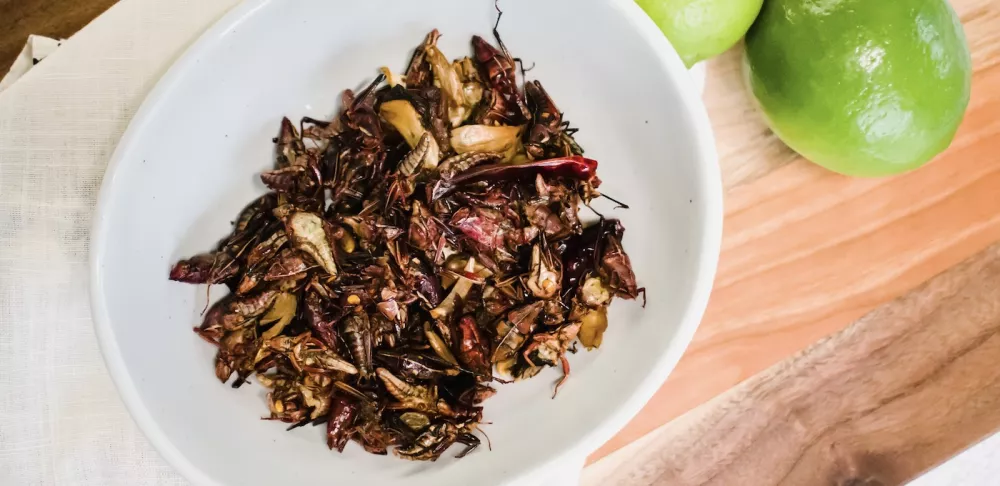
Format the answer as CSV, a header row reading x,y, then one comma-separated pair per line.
x,y
861,87
700,29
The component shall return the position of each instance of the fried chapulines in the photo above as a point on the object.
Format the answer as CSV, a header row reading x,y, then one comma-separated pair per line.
x,y
411,253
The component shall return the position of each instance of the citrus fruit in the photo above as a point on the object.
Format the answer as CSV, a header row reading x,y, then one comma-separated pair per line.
x,y
861,87
700,29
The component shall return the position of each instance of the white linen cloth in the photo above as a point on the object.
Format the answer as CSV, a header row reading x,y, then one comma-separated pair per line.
x,y
61,421
37,48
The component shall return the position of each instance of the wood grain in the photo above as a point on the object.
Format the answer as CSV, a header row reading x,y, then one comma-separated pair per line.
x,y
806,252
910,383
53,18
747,148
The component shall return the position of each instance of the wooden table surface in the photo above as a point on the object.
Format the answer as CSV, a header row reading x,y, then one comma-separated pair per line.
x,y
53,18
806,253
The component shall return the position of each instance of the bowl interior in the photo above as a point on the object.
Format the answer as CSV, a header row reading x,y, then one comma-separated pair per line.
x,y
191,161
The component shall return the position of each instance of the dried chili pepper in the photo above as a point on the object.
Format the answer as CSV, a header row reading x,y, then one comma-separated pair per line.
x,y
208,268
574,167
471,349
338,428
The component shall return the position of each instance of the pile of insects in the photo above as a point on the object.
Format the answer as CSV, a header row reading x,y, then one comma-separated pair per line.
x,y
422,239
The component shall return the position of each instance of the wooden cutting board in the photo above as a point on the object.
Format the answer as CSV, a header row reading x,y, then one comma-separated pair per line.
x,y
805,253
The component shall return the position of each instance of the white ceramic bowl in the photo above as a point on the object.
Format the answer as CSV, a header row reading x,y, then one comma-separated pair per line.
x,y
191,159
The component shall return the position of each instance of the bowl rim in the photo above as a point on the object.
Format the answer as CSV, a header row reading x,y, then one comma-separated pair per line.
x,y
708,174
